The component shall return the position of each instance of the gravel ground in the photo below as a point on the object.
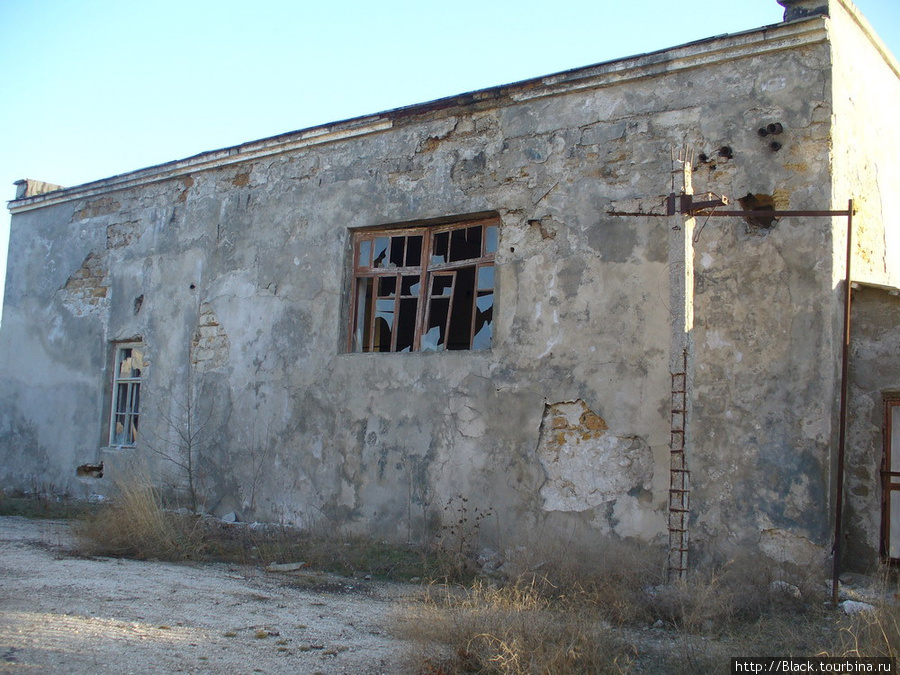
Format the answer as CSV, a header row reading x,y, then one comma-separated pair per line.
x,y
60,613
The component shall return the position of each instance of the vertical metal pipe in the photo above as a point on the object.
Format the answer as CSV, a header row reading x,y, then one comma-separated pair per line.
x,y
842,434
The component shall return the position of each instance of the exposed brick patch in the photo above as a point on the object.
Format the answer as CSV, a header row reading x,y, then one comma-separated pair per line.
x,y
187,183
86,290
123,234
210,345
96,207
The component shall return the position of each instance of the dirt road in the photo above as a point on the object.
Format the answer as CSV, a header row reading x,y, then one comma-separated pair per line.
x,y
65,614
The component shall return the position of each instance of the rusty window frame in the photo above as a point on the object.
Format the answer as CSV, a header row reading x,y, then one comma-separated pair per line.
x,y
124,416
890,475
375,260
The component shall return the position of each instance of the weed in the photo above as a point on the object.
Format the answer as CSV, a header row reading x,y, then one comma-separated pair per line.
x,y
135,525
455,547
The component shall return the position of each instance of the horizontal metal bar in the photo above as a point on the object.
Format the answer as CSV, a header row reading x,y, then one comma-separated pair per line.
x,y
738,214
774,214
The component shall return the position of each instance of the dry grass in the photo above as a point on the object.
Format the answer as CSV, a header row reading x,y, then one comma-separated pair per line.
x,y
874,633
563,611
567,618
135,525
512,630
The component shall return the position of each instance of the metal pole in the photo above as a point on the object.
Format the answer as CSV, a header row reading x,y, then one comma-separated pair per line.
x,y
842,434
681,295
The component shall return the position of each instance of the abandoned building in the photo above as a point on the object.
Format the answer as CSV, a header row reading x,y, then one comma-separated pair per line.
x,y
478,309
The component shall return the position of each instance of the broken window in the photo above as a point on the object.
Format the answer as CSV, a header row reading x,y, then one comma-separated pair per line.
x,y
126,395
424,288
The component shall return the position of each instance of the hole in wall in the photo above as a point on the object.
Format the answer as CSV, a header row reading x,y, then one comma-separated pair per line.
x,y
758,202
90,470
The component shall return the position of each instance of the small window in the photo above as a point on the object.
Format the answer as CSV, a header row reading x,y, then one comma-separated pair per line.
x,y
126,395
424,288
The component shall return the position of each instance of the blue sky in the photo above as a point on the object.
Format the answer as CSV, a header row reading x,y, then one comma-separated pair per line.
x,y
93,88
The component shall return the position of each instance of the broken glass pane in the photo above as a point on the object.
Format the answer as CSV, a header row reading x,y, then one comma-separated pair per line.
x,y
484,315
364,256
411,285
414,251
442,284
363,311
482,339
434,337
398,246
384,324
486,278
485,302
459,332
491,233
137,362
406,324
125,362
380,253
440,247
465,244
384,309
387,286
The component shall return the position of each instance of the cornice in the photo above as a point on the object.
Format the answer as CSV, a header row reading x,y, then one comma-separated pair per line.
x,y
707,52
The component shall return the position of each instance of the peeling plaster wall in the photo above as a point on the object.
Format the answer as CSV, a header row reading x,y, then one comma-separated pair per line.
x,y
235,277
874,373
764,348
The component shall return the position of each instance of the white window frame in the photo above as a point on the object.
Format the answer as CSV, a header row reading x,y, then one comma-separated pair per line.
x,y
124,416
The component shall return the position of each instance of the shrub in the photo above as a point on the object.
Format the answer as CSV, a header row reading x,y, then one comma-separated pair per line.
x,y
135,525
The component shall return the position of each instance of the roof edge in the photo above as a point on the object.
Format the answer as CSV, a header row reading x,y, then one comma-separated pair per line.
x,y
766,39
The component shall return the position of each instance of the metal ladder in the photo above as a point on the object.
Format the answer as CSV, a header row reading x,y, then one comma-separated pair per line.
x,y
679,480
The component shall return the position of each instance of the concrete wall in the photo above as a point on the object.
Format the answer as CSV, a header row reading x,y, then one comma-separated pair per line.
x,y
235,274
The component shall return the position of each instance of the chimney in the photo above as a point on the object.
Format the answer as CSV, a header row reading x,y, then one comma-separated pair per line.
x,y
29,188
800,9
